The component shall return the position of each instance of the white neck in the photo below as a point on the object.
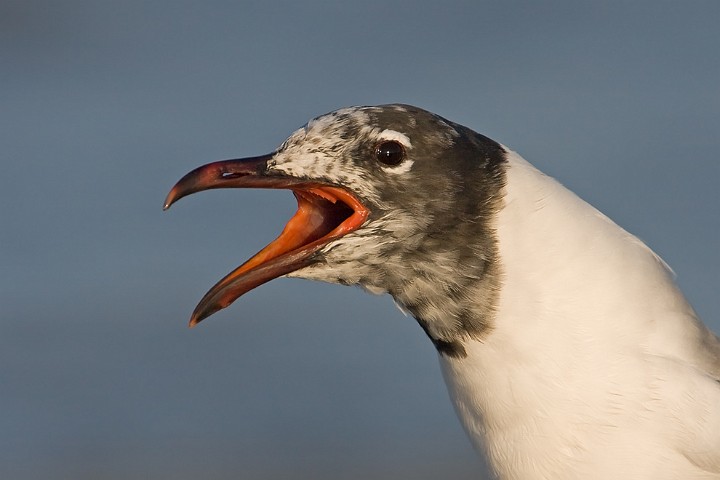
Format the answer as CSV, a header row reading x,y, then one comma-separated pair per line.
x,y
582,302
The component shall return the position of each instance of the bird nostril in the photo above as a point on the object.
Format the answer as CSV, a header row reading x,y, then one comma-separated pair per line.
x,y
231,175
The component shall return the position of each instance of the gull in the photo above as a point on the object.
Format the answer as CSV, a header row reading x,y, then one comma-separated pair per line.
x,y
566,346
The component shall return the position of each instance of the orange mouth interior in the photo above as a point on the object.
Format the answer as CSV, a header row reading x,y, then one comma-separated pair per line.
x,y
324,213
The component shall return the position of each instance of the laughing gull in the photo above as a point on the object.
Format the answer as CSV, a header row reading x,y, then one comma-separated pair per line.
x,y
567,348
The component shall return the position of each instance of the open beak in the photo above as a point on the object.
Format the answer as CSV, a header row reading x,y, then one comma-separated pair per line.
x,y
325,212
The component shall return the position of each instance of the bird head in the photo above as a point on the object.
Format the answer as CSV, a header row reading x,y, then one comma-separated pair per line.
x,y
391,198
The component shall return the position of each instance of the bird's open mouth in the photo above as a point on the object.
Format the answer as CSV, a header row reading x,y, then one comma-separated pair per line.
x,y
324,213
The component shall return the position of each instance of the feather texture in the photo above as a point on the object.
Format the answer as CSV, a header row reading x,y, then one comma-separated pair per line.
x,y
597,366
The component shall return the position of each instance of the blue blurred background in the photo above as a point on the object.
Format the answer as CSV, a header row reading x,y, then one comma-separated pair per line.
x,y
105,104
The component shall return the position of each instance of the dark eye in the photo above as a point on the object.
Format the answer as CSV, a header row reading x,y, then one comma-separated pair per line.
x,y
390,153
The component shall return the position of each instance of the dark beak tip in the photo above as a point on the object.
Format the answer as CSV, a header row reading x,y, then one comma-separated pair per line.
x,y
171,198
194,320
201,313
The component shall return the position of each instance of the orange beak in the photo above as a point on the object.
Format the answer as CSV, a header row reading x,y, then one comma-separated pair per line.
x,y
325,212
